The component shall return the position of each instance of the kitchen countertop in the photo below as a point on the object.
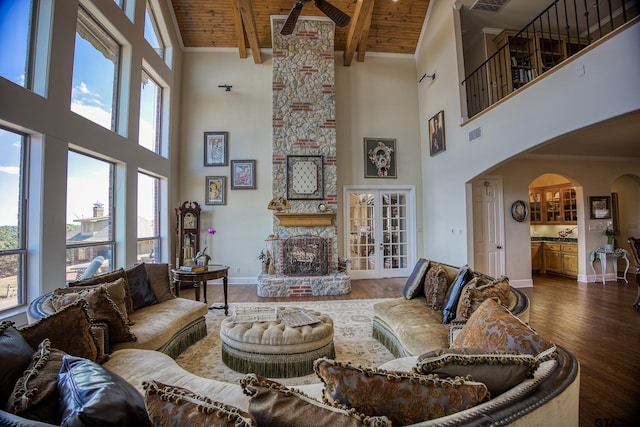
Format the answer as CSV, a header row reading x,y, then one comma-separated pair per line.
x,y
555,240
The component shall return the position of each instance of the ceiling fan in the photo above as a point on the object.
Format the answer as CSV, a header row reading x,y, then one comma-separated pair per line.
x,y
339,17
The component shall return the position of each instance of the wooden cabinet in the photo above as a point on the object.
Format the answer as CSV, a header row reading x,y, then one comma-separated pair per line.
x,y
535,205
561,258
536,256
553,205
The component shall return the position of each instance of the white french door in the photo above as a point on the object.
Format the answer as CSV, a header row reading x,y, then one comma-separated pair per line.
x,y
380,225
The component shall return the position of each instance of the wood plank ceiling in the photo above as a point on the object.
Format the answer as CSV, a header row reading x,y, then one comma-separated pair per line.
x,y
376,25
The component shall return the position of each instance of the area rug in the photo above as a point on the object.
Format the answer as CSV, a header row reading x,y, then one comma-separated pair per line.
x,y
352,323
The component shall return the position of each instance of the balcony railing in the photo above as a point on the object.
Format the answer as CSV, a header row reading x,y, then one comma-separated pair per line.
x,y
560,31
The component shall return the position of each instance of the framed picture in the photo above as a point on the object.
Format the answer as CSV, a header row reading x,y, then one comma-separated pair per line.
x,y
216,190
379,158
304,178
436,134
243,174
600,207
216,148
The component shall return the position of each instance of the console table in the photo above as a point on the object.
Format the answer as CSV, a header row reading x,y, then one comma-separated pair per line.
x,y
199,280
602,255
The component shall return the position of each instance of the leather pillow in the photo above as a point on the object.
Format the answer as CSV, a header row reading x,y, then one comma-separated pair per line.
x,y
453,294
273,404
35,394
403,397
436,283
90,395
499,370
15,356
185,408
139,286
106,278
415,282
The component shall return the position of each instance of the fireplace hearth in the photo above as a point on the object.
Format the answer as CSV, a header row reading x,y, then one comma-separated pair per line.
x,y
305,256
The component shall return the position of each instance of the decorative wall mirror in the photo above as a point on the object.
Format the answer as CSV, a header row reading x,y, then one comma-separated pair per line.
x,y
305,178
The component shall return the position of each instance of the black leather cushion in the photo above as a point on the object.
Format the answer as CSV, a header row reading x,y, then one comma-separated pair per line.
x,y
90,395
15,356
415,283
142,293
453,294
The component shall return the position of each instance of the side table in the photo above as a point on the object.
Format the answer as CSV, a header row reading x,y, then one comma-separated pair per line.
x,y
199,280
602,255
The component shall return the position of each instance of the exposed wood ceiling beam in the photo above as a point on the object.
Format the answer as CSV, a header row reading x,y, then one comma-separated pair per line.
x,y
237,20
359,30
246,11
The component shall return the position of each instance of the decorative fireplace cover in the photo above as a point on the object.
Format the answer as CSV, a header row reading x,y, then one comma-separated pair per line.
x,y
305,256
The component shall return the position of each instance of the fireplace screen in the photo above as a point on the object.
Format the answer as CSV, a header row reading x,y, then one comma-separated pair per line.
x,y
305,256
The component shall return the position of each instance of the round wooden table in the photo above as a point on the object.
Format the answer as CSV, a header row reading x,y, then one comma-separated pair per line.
x,y
199,279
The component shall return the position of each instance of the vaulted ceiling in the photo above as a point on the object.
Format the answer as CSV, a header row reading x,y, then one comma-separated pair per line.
x,y
376,26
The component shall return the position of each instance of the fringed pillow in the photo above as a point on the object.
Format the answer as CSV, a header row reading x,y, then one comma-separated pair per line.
x,y
498,370
118,292
436,283
15,356
403,397
478,290
415,282
273,404
185,408
106,278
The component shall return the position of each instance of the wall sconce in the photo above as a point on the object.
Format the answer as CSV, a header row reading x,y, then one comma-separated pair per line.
x,y
431,76
227,88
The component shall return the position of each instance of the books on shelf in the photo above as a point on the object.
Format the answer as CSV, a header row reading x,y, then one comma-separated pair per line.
x,y
193,268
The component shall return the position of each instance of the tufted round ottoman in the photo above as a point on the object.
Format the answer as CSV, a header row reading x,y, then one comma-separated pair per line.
x,y
273,349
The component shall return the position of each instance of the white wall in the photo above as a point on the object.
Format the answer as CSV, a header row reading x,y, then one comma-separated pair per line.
x,y
375,98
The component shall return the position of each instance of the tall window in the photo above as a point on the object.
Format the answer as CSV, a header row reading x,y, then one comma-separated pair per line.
x,y
148,218
95,72
12,219
151,31
150,108
90,236
15,28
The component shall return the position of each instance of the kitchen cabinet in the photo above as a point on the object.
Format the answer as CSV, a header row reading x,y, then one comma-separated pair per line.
x,y
553,205
561,258
536,256
535,205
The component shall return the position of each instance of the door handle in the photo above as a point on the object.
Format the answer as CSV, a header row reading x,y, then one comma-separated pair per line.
x,y
498,247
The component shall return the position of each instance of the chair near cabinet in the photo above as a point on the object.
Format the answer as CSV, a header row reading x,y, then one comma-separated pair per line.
x,y
635,250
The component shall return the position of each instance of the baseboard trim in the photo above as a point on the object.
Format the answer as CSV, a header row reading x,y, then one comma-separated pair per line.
x,y
522,283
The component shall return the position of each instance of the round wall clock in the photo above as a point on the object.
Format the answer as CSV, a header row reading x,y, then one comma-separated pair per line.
x,y
519,210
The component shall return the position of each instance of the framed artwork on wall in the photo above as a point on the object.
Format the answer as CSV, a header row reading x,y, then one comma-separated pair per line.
x,y
436,134
305,178
379,158
600,207
216,190
216,147
243,174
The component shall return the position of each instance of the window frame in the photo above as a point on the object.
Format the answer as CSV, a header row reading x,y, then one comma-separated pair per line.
x,y
157,236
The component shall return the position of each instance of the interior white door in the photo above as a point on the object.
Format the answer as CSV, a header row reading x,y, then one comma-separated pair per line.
x,y
380,225
488,227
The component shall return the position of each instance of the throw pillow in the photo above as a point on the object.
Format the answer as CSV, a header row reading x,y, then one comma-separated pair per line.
x,y
35,394
492,327
160,281
403,397
453,294
15,354
69,330
436,283
105,278
273,404
499,370
415,283
141,292
179,407
92,395
118,291
478,290
101,308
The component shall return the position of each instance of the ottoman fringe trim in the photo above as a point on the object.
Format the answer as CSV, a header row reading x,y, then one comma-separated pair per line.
x,y
275,365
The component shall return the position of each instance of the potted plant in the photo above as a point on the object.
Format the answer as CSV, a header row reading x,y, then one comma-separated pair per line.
x,y
610,233
265,261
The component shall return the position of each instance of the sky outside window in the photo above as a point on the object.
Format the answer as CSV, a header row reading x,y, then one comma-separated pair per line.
x,y
14,39
10,149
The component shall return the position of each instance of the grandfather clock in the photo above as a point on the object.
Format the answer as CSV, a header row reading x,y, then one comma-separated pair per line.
x,y
188,233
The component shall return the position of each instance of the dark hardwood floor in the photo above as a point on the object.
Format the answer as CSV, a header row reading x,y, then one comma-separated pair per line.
x,y
595,322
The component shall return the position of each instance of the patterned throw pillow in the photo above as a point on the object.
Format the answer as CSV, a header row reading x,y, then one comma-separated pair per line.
x,y
106,278
403,397
15,356
273,404
185,408
499,370
415,283
478,290
492,327
436,284
35,394
69,330
118,292
101,308
453,294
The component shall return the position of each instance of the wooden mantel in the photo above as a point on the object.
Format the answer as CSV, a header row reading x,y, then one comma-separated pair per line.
x,y
305,219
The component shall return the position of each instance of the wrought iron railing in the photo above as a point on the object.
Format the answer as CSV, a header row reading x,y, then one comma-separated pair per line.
x,y
557,33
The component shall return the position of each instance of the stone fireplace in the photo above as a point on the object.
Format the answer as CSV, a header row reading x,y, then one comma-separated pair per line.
x,y
304,125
